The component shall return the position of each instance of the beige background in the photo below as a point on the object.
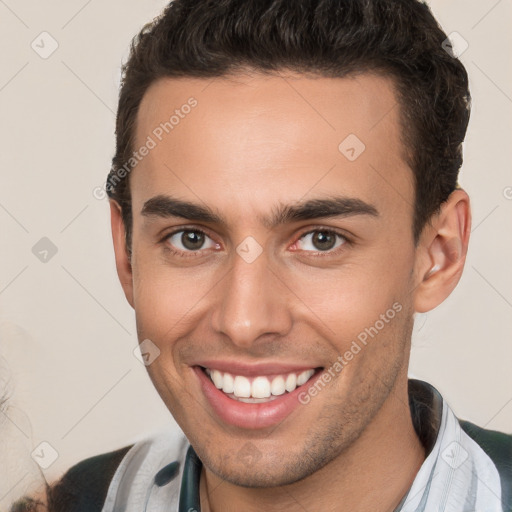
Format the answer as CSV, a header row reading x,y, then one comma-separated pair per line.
x,y
67,334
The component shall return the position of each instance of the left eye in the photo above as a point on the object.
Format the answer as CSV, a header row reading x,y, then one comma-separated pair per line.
x,y
320,240
191,240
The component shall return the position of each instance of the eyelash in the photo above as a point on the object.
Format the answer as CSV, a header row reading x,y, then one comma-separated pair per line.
x,y
320,254
331,252
177,252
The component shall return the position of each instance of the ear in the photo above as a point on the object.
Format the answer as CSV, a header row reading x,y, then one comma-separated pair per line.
x,y
123,263
441,252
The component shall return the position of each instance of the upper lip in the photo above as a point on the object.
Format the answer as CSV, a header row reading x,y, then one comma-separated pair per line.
x,y
255,369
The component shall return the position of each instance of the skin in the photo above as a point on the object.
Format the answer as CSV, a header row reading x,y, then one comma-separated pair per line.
x,y
253,143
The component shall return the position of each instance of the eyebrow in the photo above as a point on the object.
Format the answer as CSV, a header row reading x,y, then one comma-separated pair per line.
x,y
166,206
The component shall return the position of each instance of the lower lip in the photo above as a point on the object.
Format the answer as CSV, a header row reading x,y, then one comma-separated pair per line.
x,y
249,416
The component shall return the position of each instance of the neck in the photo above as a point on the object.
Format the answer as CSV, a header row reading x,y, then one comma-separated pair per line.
x,y
374,473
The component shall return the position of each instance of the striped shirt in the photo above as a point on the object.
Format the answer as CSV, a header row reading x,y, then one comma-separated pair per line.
x,y
459,474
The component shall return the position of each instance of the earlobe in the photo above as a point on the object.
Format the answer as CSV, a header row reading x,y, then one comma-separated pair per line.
x,y
123,262
443,248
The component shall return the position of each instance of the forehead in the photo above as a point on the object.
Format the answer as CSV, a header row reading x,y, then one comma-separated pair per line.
x,y
246,141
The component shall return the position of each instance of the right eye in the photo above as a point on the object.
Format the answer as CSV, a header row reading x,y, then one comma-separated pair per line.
x,y
190,240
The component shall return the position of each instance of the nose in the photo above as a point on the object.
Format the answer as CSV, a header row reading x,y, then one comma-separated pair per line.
x,y
252,302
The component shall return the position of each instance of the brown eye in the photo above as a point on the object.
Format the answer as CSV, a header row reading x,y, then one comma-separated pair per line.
x,y
192,240
321,240
187,240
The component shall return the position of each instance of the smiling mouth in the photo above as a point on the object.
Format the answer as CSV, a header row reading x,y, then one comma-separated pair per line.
x,y
258,389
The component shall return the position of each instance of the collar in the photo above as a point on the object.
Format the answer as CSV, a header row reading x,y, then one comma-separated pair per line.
x,y
425,403
456,476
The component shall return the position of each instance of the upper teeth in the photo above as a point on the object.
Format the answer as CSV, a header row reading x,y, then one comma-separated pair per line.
x,y
259,387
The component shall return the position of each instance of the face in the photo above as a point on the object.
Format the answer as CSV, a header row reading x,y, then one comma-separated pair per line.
x,y
270,247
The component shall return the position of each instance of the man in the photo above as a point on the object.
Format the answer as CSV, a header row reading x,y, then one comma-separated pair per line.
x,y
284,198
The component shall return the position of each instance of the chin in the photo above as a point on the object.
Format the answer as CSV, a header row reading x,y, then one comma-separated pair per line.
x,y
262,475
248,467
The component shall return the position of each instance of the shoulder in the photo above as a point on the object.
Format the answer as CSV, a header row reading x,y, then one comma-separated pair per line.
x,y
498,444
498,447
120,477
99,482
84,487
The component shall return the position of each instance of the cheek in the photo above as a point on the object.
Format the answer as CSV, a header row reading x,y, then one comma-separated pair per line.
x,y
167,300
349,302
